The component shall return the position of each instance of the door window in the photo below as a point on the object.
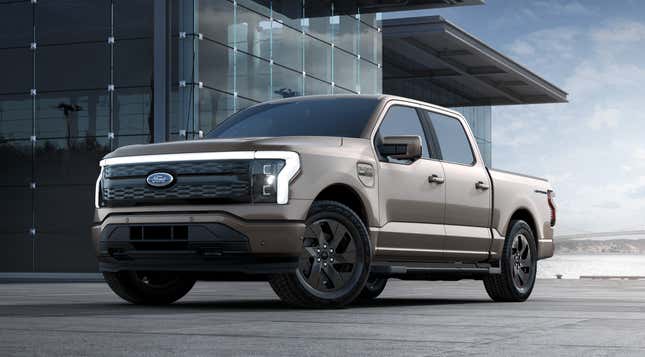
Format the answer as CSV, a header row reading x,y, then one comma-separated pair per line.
x,y
453,142
401,120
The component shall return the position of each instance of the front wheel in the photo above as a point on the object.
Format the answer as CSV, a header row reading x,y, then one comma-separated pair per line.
x,y
519,266
149,288
335,260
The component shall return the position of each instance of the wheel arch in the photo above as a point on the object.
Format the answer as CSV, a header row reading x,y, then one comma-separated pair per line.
x,y
525,215
347,196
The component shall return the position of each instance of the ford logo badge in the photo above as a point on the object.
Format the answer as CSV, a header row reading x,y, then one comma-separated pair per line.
x,y
160,179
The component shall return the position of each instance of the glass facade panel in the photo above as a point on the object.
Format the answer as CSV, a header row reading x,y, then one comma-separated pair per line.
x,y
370,39
68,161
16,71
65,67
72,114
133,18
16,26
133,111
67,21
216,19
314,86
17,156
216,66
369,78
133,63
345,70
480,121
16,211
286,83
16,116
252,33
287,46
214,107
253,77
317,58
344,32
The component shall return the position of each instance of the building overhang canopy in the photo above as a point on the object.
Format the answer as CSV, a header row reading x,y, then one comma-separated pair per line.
x,y
295,8
430,59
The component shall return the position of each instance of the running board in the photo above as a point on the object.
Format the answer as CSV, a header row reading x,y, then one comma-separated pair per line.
x,y
397,268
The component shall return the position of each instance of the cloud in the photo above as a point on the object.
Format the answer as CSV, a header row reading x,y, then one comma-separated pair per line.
x,y
562,7
623,31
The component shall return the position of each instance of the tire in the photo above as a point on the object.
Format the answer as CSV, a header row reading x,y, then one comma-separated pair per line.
x,y
518,264
335,262
373,288
149,288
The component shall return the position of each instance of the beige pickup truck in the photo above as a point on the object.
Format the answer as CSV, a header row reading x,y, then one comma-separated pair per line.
x,y
325,197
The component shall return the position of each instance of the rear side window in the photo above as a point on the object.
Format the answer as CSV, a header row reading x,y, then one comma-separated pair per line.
x,y
401,120
453,142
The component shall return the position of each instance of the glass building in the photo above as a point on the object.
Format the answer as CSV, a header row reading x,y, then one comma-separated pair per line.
x,y
79,78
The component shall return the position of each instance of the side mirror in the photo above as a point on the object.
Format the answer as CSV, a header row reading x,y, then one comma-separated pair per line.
x,y
404,147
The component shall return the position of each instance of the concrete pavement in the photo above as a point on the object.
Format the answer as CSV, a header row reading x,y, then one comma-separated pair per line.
x,y
563,318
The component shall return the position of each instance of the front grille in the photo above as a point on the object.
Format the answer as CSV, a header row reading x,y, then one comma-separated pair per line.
x,y
219,181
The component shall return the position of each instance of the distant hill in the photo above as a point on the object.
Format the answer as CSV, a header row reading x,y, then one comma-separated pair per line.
x,y
612,246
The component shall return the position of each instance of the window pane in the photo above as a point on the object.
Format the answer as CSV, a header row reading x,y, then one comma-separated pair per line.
x,y
69,161
253,33
214,107
216,20
345,69
323,116
16,116
16,157
66,21
453,141
317,58
253,77
72,114
68,67
133,18
133,63
318,27
287,46
16,70
401,120
216,66
133,111
286,83
16,24
77,215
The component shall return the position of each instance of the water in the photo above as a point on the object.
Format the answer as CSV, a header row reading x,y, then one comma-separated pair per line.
x,y
573,266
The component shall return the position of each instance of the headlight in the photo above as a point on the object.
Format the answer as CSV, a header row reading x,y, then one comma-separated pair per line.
x,y
265,179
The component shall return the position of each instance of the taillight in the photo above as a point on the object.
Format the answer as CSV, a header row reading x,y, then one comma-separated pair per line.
x,y
550,195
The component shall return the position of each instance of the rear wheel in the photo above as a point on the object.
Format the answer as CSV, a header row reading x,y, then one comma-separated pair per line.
x,y
335,260
518,264
149,288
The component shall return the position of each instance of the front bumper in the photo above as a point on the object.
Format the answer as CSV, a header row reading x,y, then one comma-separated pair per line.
x,y
201,242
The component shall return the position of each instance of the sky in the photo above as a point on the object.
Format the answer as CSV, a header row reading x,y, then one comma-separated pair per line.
x,y
592,149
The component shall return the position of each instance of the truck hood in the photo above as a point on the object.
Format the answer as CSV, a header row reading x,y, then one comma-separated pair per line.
x,y
289,143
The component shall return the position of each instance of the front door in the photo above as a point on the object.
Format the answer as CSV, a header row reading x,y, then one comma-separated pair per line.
x,y
411,207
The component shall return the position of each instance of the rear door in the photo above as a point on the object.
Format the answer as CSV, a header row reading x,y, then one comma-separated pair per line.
x,y
468,189
412,208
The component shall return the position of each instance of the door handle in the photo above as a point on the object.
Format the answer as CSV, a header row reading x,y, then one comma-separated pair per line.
x,y
436,179
480,185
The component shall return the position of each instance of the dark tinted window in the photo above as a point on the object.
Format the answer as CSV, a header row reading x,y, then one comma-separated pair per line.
x,y
401,120
345,117
453,141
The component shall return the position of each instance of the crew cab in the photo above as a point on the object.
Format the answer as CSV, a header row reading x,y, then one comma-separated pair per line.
x,y
325,197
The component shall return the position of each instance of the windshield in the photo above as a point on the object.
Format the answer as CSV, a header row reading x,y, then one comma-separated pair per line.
x,y
346,117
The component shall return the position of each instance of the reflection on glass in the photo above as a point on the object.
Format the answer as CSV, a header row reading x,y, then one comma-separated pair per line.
x,y
72,114
133,111
253,77
16,157
369,78
133,63
214,107
68,161
344,32
16,24
67,21
286,83
287,46
215,21
15,117
253,33
314,86
133,18
216,66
